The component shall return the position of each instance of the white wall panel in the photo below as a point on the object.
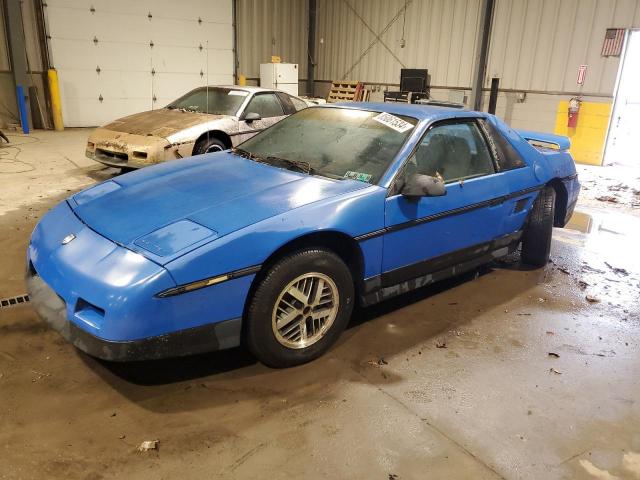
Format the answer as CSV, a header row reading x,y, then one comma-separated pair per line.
x,y
189,37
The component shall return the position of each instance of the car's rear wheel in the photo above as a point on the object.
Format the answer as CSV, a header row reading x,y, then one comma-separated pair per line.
x,y
209,145
536,239
300,307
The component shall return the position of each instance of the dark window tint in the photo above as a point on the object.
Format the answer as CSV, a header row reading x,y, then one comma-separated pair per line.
x,y
266,105
298,103
507,156
456,151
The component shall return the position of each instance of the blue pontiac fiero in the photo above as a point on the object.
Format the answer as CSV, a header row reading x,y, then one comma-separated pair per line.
x,y
271,244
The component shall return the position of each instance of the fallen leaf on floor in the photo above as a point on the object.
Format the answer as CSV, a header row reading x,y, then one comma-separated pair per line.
x,y
148,445
122,437
607,198
553,370
564,270
582,284
553,354
393,476
549,332
592,299
523,314
541,300
441,344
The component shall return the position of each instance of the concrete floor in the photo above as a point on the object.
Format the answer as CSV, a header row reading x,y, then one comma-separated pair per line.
x,y
384,403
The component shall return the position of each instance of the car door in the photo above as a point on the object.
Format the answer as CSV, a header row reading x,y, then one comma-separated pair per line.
x,y
517,175
429,234
270,109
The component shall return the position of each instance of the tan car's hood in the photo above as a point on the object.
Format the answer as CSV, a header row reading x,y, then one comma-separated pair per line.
x,y
160,123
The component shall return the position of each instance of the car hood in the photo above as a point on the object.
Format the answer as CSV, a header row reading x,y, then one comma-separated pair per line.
x,y
169,209
160,123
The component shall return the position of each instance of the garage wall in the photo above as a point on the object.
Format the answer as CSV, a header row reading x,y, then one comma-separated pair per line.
x,y
536,47
35,74
440,35
118,57
271,27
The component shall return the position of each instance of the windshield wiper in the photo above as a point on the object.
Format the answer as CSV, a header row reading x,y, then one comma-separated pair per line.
x,y
299,165
246,154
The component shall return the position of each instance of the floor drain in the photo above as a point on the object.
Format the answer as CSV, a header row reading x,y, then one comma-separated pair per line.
x,y
13,301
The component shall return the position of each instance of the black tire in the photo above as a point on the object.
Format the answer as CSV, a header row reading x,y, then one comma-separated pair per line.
x,y
536,239
259,333
209,145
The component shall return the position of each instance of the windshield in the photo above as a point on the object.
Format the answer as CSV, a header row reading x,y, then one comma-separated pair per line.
x,y
222,101
333,142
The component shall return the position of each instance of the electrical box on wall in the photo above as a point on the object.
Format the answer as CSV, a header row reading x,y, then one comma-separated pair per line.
x,y
283,76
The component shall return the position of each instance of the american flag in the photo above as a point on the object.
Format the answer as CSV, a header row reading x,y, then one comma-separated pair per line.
x,y
612,46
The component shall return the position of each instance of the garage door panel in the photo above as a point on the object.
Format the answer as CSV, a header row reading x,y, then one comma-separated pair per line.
x,y
77,83
133,57
121,28
125,59
72,53
172,85
169,31
177,59
111,109
219,11
220,62
122,84
71,23
225,38
133,8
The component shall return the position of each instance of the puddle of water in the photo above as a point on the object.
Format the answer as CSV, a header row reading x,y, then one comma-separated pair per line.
x,y
612,223
580,221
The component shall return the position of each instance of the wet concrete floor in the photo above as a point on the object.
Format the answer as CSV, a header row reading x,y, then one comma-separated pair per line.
x,y
507,372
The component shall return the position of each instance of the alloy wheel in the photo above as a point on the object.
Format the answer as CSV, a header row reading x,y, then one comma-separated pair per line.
x,y
305,310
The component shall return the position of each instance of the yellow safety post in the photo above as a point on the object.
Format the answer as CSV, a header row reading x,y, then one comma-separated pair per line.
x,y
56,107
242,80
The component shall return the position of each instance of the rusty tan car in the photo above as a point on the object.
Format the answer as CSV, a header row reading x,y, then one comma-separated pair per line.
x,y
206,119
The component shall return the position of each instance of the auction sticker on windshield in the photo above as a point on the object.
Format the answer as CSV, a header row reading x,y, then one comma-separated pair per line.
x,y
391,121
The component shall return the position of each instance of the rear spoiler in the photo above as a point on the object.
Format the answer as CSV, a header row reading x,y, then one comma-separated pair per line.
x,y
545,140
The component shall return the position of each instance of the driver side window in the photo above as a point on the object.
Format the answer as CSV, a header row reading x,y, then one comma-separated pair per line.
x,y
457,151
266,105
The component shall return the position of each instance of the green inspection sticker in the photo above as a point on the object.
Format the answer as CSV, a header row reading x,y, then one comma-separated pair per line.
x,y
362,177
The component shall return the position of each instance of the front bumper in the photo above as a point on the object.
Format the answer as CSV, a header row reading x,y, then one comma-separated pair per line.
x,y
205,338
103,297
127,150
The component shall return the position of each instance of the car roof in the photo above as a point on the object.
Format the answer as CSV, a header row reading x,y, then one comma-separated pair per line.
x,y
250,89
421,112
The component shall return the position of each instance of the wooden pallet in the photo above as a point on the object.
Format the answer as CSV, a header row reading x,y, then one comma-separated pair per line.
x,y
344,91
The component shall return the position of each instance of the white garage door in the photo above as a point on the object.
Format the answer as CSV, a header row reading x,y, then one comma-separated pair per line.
x,y
118,57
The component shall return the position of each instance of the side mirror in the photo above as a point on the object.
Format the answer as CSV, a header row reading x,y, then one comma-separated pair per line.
x,y
251,117
423,186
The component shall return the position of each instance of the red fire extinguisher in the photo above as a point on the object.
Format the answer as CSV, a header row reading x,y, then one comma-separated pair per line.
x,y
574,110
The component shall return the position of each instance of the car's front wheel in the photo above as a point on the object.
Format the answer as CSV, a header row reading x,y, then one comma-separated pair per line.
x,y
209,145
302,304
